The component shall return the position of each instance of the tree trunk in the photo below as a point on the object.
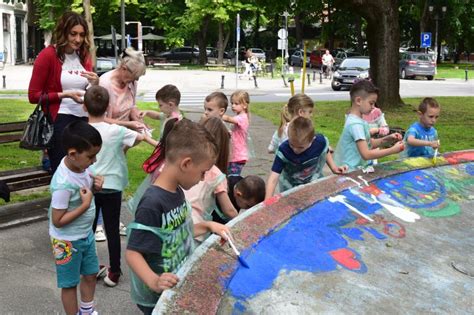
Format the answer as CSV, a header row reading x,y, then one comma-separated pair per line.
x,y
299,30
360,38
383,40
220,44
330,24
202,40
86,4
425,17
257,29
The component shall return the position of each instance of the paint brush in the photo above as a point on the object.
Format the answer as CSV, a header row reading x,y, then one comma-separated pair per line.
x,y
236,251
435,154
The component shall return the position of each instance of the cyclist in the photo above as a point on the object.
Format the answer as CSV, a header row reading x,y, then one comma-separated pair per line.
x,y
327,61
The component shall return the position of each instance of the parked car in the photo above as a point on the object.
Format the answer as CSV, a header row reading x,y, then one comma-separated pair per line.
x,y
186,53
414,64
259,53
350,70
105,64
341,55
296,59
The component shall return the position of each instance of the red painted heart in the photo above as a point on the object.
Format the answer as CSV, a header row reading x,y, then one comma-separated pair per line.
x,y
346,258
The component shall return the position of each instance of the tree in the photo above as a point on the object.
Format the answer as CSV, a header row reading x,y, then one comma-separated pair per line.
x,y
383,40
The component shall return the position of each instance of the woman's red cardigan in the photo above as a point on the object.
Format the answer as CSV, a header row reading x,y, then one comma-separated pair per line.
x,y
46,78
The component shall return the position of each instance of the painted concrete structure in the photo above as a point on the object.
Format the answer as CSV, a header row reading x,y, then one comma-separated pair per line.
x,y
13,37
312,254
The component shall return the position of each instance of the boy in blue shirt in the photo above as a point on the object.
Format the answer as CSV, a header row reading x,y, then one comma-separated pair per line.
x,y
355,147
301,158
422,138
162,236
71,216
112,165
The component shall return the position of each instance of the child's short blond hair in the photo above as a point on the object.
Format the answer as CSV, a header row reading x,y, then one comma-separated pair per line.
x,y
242,97
301,128
190,139
299,102
427,102
220,99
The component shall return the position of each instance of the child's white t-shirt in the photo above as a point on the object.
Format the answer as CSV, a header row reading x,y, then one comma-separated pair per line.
x,y
111,161
71,80
65,186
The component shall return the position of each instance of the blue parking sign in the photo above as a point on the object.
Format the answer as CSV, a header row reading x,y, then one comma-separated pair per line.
x,y
425,40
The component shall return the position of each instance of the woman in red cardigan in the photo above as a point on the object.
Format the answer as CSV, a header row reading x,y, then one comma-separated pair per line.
x,y
61,73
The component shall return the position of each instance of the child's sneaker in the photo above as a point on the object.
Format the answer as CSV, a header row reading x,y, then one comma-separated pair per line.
x,y
112,278
102,271
100,234
123,229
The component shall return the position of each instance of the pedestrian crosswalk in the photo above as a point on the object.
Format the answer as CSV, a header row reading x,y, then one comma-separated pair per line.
x,y
188,99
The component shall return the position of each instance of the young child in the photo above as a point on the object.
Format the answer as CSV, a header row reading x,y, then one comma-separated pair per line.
x,y
168,98
244,193
215,105
152,166
203,195
112,165
161,237
239,132
376,120
298,105
355,146
301,158
422,138
71,216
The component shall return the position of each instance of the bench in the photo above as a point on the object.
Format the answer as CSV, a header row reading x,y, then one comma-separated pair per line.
x,y
166,65
22,179
216,66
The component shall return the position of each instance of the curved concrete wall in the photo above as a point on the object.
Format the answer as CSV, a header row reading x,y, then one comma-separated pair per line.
x,y
408,250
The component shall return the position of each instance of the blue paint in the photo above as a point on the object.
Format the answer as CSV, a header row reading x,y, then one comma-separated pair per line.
x,y
301,244
239,308
353,233
470,169
374,232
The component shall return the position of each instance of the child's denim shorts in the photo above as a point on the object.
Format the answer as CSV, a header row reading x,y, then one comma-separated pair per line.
x,y
73,259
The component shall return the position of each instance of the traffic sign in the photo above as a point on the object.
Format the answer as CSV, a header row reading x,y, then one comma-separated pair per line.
x,y
425,40
282,34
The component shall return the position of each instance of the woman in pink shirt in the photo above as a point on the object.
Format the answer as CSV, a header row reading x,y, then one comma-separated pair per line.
x,y
121,83
239,132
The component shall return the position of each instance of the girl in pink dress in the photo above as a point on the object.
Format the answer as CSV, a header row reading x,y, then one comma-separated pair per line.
x,y
239,132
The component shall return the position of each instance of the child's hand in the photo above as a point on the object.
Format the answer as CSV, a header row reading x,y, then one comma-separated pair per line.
x,y
164,281
340,169
398,147
136,125
435,144
383,131
219,229
142,114
86,196
98,182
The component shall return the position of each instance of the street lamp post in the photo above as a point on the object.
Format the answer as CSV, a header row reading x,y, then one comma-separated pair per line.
x,y
437,17
139,34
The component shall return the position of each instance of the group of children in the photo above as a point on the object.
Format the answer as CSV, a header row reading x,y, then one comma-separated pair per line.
x,y
194,183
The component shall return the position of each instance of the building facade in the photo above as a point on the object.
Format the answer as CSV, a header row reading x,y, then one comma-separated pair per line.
x,y
13,38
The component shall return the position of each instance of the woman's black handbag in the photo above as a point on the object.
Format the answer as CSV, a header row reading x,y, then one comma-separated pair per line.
x,y
38,132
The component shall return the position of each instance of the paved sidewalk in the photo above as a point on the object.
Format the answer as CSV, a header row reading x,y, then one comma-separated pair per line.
x,y
27,270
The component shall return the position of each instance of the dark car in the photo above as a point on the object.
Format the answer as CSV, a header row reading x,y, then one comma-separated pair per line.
x,y
341,55
350,70
414,64
296,59
105,64
186,54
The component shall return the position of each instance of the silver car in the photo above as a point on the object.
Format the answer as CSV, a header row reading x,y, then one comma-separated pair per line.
x,y
414,64
259,53
296,59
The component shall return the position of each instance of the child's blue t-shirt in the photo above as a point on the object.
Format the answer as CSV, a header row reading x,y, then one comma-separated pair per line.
x,y
421,133
347,153
299,169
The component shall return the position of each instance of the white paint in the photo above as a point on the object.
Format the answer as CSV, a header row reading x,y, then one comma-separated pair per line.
x,y
342,199
401,213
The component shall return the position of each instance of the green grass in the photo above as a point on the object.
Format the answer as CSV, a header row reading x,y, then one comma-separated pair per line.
x,y
454,126
13,92
454,71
